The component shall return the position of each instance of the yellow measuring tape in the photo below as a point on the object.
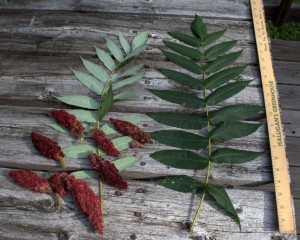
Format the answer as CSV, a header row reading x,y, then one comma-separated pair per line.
x,y
278,154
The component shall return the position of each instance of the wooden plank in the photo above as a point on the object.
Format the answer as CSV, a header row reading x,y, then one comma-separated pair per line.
x,y
289,97
293,151
27,215
233,9
290,119
287,72
285,50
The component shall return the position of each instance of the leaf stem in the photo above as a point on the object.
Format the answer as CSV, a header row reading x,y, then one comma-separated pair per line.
x,y
197,213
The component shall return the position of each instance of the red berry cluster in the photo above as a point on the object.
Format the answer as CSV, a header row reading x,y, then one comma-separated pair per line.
x,y
87,201
107,171
57,182
105,143
69,121
131,130
48,148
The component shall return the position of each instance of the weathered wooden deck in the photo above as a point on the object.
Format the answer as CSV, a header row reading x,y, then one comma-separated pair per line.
x,y
40,41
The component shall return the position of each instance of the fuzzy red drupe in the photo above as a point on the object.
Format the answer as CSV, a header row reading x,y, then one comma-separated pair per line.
x,y
105,143
48,148
107,171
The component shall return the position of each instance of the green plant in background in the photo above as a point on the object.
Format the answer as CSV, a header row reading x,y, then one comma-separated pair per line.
x,y
205,67
289,31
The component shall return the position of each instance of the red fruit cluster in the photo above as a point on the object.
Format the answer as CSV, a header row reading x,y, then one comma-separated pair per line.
x,y
131,130
107,171
135,144
30,180
105,143
57,182
87,201
48,148
69,121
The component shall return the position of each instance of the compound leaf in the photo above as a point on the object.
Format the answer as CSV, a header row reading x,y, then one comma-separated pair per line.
x,y
198,27
126,94
125,162
185,38
106,104
114,49
84,115
79,151
79,101
211,37
184,50
106,59
95,70
128,81
219,49
140,40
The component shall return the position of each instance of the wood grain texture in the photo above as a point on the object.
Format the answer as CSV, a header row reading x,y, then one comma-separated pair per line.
x,y
147,215
40,41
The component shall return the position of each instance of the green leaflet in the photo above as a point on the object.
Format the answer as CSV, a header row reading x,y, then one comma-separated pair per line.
x,y
233,129
79,151
181,183
236,112
185,38
226,91
211,37
125,162
105,58
128,81
179,120
183,159
60,129
219,78
122,143
192,53
182,78
140,40
198,27
126,94
183,62
90,82
85,174
114,49
233,156
180,139
219,49
79,101
222,62
84,115
106,104
95,69
125,45
127,72
184,99
219,194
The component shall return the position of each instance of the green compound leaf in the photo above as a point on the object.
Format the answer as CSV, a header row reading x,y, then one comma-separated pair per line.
x,y
223,76
219,49
183,62
184,99
122,143
219,194
233,129
84,115
184,50
211,37
180,139
125,162
185,38
114,49
95,70
128,81
107,103
236,112
225,92
140,40
182,159
181,183
126,94
89,81
79,101
182,78
222,62
233,156
79,151
127,72
179,120
105,58
125,45
198,27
